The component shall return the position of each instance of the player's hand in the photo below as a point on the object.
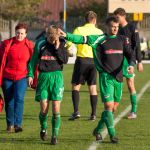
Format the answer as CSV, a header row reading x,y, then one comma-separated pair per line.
x,y
140,67
30,81
62,33
57,43
130,69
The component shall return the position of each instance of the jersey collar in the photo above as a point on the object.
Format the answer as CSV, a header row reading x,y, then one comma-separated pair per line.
x,y
111,36
89,24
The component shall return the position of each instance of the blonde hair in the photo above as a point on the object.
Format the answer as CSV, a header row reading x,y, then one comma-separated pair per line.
x,y
52,33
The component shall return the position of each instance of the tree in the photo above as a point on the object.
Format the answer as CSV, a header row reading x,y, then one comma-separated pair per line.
x,y
19,9
100,7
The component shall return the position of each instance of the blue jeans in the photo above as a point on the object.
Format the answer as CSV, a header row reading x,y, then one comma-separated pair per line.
x,y
14,92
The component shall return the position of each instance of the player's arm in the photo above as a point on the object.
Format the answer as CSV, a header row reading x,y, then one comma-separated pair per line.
x,y
136,45
34,60
61,53
79,39
129,54
71,47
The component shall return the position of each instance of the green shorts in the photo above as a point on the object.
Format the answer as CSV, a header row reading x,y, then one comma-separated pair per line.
x,y
110,88
125,67
50,86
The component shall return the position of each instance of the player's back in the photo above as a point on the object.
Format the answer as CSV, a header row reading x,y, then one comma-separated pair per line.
x,y
83,50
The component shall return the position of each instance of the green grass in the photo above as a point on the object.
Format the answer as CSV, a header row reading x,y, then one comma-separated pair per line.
x,y
76,135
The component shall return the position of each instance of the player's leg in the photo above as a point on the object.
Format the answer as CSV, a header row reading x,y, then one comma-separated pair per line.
x,y
107,118
43,118
107,94
75,101
133,98
77,80
131,88
91,77
56,97
117,94
93,100
56,121
42,97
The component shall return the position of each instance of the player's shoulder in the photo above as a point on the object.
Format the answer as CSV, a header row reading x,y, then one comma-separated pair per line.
x,y
99,31
132,27
78,29
123,38
40,42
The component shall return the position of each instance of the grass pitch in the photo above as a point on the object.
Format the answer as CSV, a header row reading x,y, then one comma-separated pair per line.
x,y
77,135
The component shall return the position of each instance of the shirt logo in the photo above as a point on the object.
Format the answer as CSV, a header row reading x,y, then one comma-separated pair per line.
x,y
106,96
112,51
47,58
126,40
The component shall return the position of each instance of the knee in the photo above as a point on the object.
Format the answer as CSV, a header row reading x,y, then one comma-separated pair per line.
x,y
109,107
76,87
93,90
44,112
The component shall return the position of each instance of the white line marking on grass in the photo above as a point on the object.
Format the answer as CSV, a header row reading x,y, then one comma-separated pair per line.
x,y
94,145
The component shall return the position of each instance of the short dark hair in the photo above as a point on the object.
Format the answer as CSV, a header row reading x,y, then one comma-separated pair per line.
x,y
90,15
111,19
22,25
120,11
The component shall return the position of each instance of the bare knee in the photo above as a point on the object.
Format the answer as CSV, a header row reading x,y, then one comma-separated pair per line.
x,y
44,107
92,90
76,87
56,106
116,104
109,106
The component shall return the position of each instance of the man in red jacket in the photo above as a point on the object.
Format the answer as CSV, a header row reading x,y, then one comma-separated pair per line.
x,y
17,51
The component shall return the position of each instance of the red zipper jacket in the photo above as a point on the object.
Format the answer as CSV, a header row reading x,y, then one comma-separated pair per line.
x,y
14,58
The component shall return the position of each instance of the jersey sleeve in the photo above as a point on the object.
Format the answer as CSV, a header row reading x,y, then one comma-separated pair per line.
x,y
34,60
136,44
128,52
61,53
79,39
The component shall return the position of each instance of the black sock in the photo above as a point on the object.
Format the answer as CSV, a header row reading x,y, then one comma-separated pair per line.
x,y
75,100
93,99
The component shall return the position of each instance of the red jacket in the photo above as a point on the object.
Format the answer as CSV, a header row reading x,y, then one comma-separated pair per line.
x,y
17,60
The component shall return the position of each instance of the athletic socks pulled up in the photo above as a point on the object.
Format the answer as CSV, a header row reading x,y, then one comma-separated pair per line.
x,y
133,98
93,100
75,100
101,123
56,122
107,118
109,121
43,121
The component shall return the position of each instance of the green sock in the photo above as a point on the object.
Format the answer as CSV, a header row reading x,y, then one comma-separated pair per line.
x,y
109,120
101,123
43,120
56,121
133,99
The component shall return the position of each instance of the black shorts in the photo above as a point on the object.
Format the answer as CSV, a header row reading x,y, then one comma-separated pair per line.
x,y
84,71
